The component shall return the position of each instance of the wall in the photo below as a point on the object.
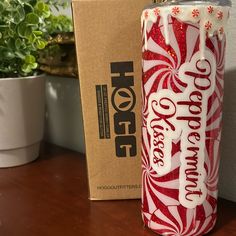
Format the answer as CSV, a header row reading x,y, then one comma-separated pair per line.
x,y
64,125
227,184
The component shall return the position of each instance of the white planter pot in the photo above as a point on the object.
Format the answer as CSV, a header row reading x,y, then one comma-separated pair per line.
x,y
21,119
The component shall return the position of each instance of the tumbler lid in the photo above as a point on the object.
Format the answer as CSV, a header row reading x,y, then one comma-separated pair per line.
x,y
195,2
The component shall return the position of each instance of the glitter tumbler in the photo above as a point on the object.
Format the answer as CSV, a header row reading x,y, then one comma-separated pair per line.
x,y
182,96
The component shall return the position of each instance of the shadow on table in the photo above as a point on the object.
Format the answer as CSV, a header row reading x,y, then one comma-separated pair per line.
x,y
226,215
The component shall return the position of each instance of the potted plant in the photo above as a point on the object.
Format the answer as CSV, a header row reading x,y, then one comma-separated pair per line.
x,y
23,33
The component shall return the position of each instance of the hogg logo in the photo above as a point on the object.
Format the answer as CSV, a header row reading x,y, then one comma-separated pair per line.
x,y
123,100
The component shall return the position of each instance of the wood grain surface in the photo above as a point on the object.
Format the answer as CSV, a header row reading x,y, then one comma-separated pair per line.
x,y
50,197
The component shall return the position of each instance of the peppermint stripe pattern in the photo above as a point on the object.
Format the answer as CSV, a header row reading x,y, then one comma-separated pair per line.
x,y
161,208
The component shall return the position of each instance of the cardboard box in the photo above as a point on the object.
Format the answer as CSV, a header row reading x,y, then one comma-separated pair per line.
x,y
108,42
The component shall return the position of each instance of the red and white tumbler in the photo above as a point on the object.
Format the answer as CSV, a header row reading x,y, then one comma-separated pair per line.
x,y
182,98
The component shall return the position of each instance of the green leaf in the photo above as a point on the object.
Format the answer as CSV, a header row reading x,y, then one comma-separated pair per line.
x,y
6,53
20,55
65,4
46,11
46,7
32,38
40,6
37,32
26,68
11,43
28,7
18,43
24,31
29,59
19,15
32,18
1,7
10,33
3,26
34,66
46,14
33,2
9,54
41,44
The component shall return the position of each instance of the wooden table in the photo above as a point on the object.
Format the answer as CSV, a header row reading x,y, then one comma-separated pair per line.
x,y
49,197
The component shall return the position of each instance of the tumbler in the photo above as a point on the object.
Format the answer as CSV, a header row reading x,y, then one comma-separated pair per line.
x,y
183,57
